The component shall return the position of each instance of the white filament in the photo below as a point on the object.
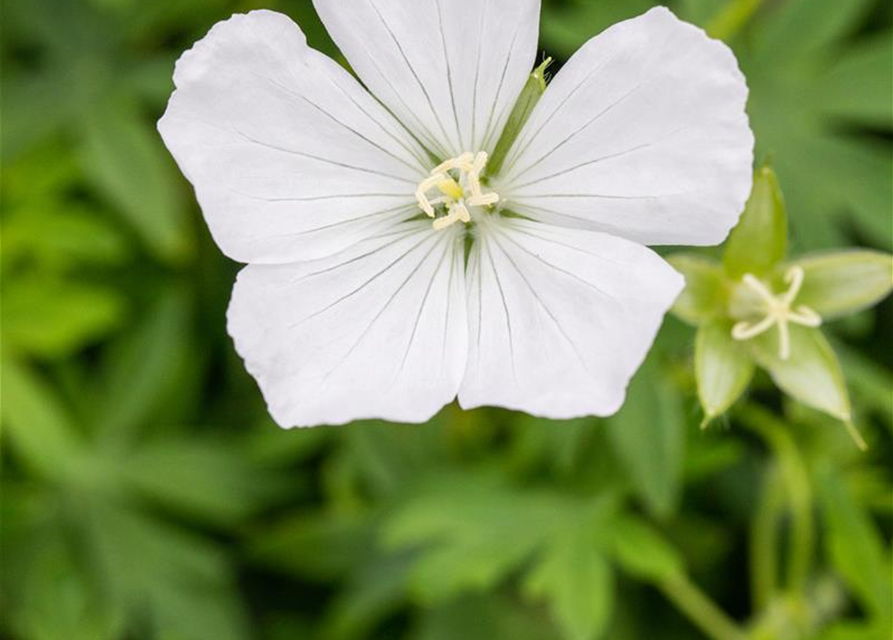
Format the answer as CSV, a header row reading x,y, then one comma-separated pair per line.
x,y
779,311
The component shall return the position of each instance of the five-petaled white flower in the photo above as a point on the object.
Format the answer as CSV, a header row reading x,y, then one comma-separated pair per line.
x,y
533,289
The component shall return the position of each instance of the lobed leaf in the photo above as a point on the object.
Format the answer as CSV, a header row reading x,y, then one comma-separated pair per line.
x,y
37,422
576,579
128,165
643,552
52,318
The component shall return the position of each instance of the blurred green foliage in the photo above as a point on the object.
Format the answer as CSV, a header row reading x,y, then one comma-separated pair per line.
x,y
146,494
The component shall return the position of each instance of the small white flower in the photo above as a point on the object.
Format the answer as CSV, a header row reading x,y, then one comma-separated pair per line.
x,y
533,288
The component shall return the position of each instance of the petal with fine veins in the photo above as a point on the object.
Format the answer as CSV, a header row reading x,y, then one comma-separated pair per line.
x,y
450,70
291,159
642,134
377,331
559,319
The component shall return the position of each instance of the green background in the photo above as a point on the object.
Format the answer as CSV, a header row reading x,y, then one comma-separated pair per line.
x,y
146,494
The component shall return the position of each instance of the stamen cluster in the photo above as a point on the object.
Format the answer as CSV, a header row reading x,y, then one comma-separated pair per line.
x,y
779,311
458,180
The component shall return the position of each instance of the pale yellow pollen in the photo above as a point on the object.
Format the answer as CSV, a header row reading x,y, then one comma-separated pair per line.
x,y
458,180
451,189
779,311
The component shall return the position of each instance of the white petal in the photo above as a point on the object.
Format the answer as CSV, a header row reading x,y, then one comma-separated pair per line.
x,y
450,70
377,331
559,319
642,134
290,157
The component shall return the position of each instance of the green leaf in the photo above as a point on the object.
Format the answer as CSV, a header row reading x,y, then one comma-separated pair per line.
x,y
856,548
555,444
643,552
571,24
375,590
319,546
52,318
811,375
471,563
60,239
125,160
648,436
202,478
147,371
462,523
28,117
704,296
476,618
834,177
36,421
60,599
844,282
182,581
723,368
530,95
759,242
799,27
860,83
576,579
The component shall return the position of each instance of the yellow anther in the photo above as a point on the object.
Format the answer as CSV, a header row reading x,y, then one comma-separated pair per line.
x,y
779,311
459,181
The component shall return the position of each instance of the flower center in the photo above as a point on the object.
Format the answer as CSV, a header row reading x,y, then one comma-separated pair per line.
x,y
456,185
778,311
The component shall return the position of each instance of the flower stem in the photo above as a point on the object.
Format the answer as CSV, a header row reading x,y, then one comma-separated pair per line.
x,y
733,16
796,479
702,611
764,541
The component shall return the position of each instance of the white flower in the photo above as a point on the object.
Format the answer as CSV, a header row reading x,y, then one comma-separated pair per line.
x,y
533,288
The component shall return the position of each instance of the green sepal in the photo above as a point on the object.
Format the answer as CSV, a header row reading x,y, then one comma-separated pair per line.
x,y
530,95
705,293
759,242
812,375
723,368
844,282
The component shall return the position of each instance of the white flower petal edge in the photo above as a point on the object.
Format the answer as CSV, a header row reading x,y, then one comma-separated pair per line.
x,y
451,70
642,134
377,331
291,159
559,319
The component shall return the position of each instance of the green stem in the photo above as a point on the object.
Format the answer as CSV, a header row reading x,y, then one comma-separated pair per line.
x,y
733,16
702,611
764,541
796,479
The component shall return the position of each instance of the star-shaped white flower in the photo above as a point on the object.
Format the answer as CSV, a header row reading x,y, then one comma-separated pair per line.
x,y
388,270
